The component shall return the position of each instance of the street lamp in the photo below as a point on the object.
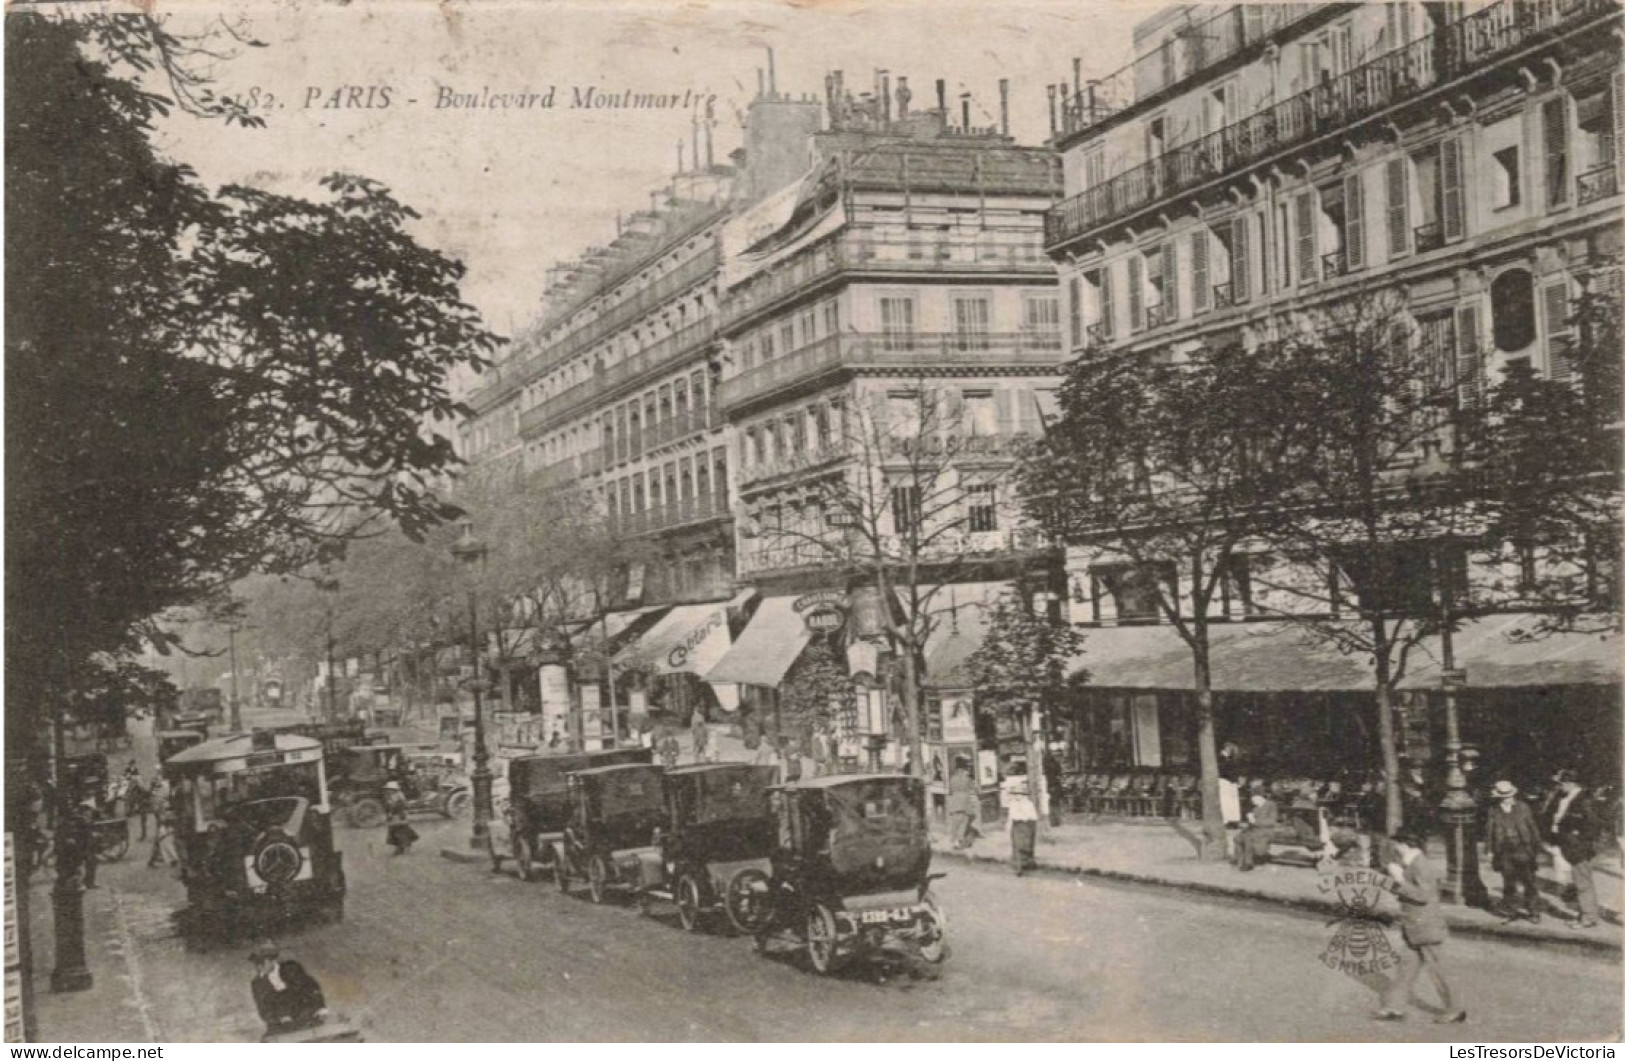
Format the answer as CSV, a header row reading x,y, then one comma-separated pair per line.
x,y
471,551
875,725
1457,809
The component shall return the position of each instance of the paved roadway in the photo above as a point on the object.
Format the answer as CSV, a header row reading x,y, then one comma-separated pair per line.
x,y
432,949
437,950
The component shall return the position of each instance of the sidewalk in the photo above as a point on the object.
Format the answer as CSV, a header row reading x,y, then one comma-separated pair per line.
x,y
113,1009
1164,854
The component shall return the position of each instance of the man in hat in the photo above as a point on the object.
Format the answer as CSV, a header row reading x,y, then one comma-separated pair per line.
x,y
1576,828
288,998
1422,922
398,833
1021,815
1514,843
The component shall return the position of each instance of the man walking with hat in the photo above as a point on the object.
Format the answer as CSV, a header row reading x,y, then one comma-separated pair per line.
x,y
1514,843
1422,923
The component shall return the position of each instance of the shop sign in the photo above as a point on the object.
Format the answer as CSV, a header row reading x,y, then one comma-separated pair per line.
x,y
823,611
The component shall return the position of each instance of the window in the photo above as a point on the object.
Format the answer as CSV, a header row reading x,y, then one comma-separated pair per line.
x,y
1094,167
1155,299
1506,187
971,316
1136,591
1594,142
979,417
1236,591
702,476
1074,290
787,336
719,480
1304,229
982,508
1396,184
796,433
832,317
767,345
897,323
1512,302
818,415
1283,244
903,414
809,326
1554,304
1041,313
747,355
905,508
1438,355
1199,272
665,412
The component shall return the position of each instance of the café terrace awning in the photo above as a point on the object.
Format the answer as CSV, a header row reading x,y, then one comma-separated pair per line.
x,y
690,638
1276,656
767,648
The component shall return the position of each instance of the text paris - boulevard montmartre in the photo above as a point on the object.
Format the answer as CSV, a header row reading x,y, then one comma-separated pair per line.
x,y
579,97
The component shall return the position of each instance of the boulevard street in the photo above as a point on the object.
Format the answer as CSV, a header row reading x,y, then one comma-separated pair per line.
x,y
432,949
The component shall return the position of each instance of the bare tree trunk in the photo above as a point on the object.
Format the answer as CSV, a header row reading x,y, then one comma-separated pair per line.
x,y
1207,750
1393,806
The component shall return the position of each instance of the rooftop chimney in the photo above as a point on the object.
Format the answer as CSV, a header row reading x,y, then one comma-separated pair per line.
x,y
1052,129
694,138
1077,76
942,99
885,98
761,83
903,96
1004,106
679,156
772,76
964,110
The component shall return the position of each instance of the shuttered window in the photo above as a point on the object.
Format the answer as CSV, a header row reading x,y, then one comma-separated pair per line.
x,y
1239,276
1469,358
1451,193
1136,302
1199,281
1617,156
1075,306
1304,222
1554,123
1107,309
1170,282
1554,308
1399,224
1353,223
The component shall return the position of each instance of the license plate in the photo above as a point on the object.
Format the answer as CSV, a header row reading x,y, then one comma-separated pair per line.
x,y
881,917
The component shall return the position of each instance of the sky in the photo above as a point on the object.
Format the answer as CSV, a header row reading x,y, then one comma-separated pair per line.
x,y
510,191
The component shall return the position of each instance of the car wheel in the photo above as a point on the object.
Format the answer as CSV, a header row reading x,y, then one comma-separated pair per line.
x,y
597,878
524,858
457,804
933,932
821,936
688,903
748,901
366,814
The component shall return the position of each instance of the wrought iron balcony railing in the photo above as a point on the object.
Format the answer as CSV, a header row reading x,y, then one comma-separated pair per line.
x,y
1597,183
662,354
902,351
1329,107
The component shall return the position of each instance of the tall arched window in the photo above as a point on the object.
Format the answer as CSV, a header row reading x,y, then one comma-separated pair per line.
x,y
1512,298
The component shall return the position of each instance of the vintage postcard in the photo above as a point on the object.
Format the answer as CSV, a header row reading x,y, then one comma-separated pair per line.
x,y
762,520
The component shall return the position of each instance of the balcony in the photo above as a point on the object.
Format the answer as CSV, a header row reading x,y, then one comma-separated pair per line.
x,y
998,252
793,462
1197,46
668,351
1331,107
680,426
689,510
1599,183
902,352
1428,237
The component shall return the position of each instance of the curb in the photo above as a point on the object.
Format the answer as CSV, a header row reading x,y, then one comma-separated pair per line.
x,y
1467,929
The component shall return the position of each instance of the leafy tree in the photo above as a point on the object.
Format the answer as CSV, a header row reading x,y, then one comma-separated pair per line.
x,y
1166,465
199,386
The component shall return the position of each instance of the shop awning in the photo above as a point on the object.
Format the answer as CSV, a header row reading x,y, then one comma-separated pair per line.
x,y
1280,657
1494,657
768,647
690,638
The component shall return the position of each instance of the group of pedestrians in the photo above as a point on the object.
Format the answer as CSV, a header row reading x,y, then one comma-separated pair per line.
x,y
1572,826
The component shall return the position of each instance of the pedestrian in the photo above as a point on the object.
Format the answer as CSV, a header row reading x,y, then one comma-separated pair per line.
x,y
821,752
1514,843
139,799
1021,816
398,833
1052,786
163,837
1263,823
1577,831
287,997
1423,926
669,750
700,734
963,804
790,756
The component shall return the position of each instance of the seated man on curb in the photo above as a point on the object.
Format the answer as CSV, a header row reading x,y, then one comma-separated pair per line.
x,y
288,998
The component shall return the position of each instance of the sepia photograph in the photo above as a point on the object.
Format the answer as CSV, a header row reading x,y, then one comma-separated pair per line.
x,y
810,521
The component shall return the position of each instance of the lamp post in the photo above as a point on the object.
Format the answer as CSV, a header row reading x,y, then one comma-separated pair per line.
x,y
236,705
1457,809
875,725
471,551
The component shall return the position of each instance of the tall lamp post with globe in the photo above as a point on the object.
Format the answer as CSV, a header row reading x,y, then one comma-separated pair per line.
x,y
471,551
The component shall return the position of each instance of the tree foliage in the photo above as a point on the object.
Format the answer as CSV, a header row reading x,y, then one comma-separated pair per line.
x,y
1023,661
199,385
